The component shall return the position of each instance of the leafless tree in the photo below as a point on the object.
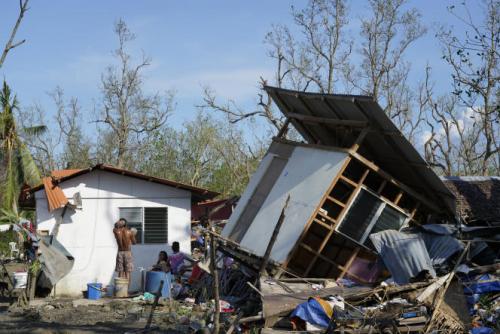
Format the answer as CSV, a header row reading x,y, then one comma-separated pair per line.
x,y
441,145
386,35
76,150
235,113
23,8
64,144
126,113
312,60
453,140
43,146
474,60
317,55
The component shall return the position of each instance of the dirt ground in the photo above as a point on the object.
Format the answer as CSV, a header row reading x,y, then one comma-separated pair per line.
x,y
79,316
102,316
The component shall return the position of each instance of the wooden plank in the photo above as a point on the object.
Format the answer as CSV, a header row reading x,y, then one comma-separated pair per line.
x,y
360,139
333,221
319,222
284,129
381,187
274,236
348,180
398,198
349,262
336,201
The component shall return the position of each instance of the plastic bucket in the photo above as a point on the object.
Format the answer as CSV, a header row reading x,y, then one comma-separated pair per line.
x,y
20,280
121,287
153,279
94,291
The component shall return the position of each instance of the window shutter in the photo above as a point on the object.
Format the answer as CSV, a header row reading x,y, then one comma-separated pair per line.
x,y
359,216
156,225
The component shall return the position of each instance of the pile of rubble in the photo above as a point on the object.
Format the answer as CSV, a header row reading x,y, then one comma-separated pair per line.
x,y
428,280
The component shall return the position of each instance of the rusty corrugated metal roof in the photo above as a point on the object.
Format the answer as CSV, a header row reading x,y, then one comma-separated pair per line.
x,y
63,175
59,174
55,196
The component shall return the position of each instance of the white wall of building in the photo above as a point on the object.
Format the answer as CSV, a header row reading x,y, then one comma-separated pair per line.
x,y
306,178
88,233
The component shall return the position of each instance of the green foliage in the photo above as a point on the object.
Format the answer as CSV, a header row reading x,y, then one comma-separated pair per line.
x,y
5,238
205,153
35,267
15,158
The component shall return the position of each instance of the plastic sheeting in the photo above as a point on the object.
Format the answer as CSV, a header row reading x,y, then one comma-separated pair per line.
x,y
404,254
315,311
56,261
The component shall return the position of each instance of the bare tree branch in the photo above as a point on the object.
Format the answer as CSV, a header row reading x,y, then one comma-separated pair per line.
x,y
23,8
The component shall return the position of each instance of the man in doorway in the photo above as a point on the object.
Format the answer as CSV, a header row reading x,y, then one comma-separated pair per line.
x,y
125,238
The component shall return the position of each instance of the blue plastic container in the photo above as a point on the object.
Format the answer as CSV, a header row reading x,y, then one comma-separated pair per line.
x,y
153,279
94,290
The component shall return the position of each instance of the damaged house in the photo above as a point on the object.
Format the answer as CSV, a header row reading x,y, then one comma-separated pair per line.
x,y
354,175
80,208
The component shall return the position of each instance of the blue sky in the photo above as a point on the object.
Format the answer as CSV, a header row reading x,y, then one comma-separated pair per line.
x,y
192,43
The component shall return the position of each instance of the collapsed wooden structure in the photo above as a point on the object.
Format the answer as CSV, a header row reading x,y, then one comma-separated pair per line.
x,y
355,175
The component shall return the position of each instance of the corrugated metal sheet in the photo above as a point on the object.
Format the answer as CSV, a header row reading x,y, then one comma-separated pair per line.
x,y
58,174
440,242
404,254
384,144
55,196
441,247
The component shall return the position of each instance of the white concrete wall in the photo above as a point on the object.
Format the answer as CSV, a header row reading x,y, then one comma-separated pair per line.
x,y
88,235
306,177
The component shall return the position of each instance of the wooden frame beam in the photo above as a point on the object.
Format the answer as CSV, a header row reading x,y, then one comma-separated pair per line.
x,y
389,178
359,139
327,121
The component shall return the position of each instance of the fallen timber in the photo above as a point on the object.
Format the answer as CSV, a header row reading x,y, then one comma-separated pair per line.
x,y
279,305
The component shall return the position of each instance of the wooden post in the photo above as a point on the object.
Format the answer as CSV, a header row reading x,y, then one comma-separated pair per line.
x,y
215,275
32,285
274,236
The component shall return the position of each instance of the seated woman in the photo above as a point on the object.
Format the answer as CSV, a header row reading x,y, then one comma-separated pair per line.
x,y
163,263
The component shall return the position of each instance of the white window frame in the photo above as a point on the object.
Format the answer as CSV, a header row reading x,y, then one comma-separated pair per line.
x,y
374,219
143,222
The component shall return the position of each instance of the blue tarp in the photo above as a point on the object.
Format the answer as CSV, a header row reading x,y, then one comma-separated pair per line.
x,y
482,284
312,312
482,330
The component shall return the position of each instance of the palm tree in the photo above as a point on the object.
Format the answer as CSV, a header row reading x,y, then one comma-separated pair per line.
x,y
17,164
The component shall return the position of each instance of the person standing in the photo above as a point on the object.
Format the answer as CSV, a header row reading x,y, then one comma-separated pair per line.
x,y
125,238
